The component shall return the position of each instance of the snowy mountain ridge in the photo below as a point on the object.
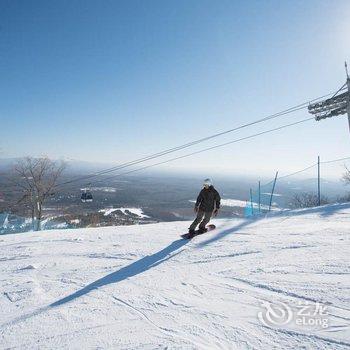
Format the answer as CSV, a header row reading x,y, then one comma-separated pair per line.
x,y
241,286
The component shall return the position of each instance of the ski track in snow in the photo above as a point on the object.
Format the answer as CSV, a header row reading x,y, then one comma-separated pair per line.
x,y
143,287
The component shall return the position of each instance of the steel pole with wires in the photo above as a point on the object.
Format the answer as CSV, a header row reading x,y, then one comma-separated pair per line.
x,y
318,181
334,106
259,197
348,85
273,190
251,201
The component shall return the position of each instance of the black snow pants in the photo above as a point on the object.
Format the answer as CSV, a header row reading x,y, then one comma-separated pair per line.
x,y
199,219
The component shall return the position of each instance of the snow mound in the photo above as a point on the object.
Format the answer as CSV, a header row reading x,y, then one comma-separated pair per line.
x,y
241,286
126,211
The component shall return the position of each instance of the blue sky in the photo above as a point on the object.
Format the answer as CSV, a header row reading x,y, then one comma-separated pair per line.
x,y
111,81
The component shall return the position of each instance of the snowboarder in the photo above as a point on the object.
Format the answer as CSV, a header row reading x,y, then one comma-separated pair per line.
x,y
207,204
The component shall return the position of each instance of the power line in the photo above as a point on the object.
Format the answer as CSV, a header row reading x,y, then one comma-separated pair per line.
x,y
335,160
294,173
309,167
208,148
177,148
340,89
299,171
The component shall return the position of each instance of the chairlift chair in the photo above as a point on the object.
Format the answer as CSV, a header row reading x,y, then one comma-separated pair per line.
x,y
86,195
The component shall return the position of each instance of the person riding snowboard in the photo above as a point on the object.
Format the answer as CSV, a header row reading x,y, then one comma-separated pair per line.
x,y
207,204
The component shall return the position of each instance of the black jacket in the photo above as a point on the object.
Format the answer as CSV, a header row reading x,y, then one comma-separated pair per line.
x,y
208,199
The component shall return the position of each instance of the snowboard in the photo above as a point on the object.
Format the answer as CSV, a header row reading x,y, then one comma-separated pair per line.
x,y
209,227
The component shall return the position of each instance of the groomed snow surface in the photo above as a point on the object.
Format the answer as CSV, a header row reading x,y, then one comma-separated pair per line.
x,y
244,285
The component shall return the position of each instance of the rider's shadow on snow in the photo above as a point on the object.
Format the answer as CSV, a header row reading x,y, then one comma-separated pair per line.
x,y
133,269
228,231
324,211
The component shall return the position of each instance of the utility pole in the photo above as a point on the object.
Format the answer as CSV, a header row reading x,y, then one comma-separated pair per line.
x,y
348,85
259,198
318,181
338,104
251,201
273,190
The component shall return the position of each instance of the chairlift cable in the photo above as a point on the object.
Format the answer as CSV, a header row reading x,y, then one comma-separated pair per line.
x,y
189,144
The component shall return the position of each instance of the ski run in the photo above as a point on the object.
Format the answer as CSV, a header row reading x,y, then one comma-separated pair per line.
x,y
246,285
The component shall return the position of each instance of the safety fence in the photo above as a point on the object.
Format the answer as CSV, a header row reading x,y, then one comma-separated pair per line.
x,y
11,223
319,183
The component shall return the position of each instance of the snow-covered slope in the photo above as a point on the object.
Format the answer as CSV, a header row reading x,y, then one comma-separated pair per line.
x,y
143,287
